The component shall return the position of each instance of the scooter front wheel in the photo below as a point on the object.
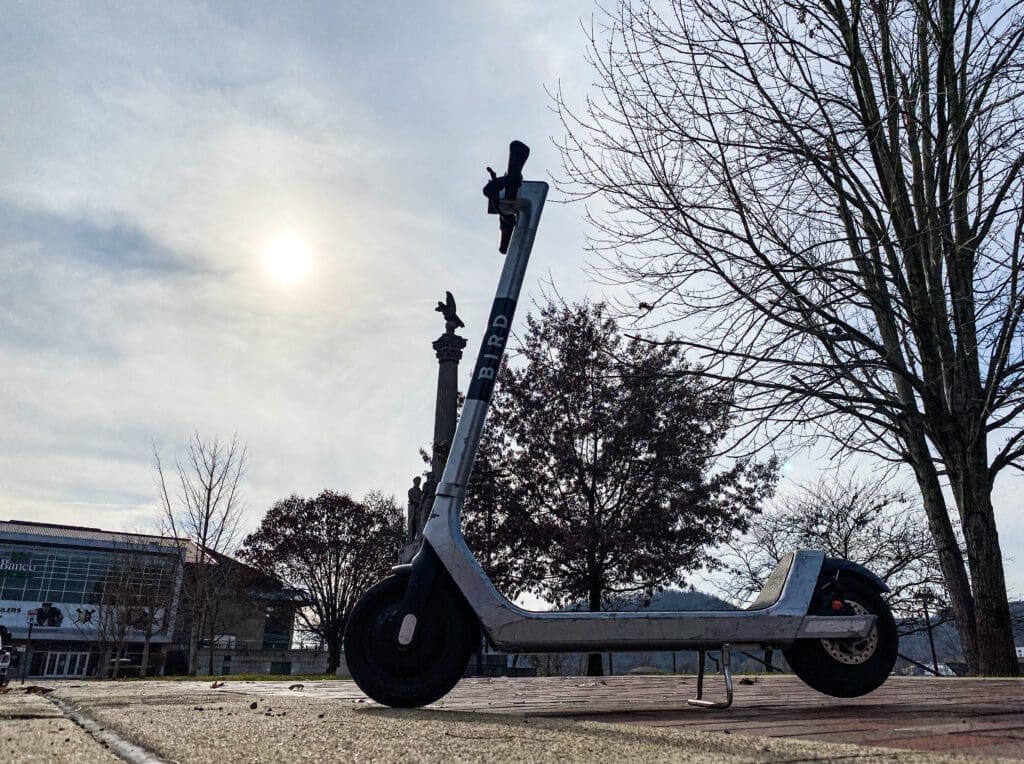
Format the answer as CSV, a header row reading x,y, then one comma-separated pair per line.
x,y
408,676
847,668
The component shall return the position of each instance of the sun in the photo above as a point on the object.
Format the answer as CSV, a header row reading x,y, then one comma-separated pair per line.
x,y
287,258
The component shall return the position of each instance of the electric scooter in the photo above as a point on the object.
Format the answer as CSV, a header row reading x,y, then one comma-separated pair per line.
x,y
409,639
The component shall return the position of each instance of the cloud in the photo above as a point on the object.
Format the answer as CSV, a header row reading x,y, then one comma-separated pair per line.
x,y
149,152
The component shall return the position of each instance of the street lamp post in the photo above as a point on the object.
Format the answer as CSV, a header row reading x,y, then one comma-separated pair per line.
x,y
924,595
28,645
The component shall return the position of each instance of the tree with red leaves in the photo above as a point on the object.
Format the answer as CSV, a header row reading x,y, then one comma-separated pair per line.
x,y
330,547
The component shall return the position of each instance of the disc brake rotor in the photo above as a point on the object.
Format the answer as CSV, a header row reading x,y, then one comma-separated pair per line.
x,y
856,650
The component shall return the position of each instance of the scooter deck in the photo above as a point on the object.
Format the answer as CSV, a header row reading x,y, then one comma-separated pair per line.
x,y
513,629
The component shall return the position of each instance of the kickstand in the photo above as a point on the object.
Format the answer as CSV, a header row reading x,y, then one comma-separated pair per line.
x,y
726,669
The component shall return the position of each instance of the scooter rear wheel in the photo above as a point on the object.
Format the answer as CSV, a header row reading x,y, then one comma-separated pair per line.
x,y
848,668
426,669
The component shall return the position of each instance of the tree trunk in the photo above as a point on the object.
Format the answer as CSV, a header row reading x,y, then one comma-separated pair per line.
x,y
144,663
209,643
333,652
951,559
595,665
972,488
118,654
193,647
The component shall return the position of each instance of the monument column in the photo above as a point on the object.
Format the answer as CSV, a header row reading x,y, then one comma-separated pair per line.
x,y
448,348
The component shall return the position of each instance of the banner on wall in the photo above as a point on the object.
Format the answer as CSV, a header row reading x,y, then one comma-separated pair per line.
x,y
63,620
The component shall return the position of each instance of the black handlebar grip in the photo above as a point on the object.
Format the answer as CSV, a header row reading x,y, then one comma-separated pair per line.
x,y
518,153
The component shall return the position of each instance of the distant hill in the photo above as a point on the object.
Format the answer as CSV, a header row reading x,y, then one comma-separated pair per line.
x,y
947,640
676,599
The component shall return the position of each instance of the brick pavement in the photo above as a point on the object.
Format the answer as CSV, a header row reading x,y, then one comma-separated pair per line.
x,y
974,717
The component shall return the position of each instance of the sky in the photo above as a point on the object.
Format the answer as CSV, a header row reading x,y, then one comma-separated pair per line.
x,y
150,153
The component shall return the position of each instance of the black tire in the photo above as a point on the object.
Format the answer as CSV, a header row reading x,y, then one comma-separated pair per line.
x,y
413,676
847,668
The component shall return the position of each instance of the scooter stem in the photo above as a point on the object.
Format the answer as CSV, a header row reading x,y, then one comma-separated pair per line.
x,y
451,492
459,466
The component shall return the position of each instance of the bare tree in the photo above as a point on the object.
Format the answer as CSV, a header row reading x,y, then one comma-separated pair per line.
x,y
131,600
864,521
829,193
151,602
111,622
202,504
135,600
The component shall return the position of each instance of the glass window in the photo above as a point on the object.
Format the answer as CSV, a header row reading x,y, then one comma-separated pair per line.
x,y
85,576
12,588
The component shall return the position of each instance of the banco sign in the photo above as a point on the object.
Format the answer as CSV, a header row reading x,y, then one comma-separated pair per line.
x,y
17,566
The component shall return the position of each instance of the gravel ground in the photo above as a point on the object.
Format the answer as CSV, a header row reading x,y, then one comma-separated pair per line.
x,y
32,729
188,722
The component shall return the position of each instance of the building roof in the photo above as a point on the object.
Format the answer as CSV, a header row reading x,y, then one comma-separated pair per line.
x,y
76,535
267,587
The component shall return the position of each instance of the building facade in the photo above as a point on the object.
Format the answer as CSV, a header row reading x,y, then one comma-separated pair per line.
x,y
84,602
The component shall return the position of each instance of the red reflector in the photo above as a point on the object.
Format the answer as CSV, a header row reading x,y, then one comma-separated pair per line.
x,y
837,605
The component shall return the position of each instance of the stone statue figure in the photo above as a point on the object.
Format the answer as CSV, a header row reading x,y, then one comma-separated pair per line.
x,y
426,504
447,309
415,499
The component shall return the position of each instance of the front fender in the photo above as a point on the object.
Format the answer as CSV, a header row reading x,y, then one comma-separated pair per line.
x,y
837,564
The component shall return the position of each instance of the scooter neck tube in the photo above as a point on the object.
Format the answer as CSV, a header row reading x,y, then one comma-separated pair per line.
x,y
492,348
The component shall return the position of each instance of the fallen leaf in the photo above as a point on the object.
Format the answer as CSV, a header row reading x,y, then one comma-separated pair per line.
x,y
297,687
36,689
215,685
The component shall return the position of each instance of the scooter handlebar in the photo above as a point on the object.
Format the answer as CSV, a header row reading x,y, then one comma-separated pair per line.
x,y
518,153
506,188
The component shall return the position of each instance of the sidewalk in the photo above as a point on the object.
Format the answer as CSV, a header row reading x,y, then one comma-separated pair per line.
x,y
977,717
33,730
563,719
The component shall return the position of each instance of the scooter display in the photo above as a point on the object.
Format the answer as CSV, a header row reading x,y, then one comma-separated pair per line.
x,y
409,639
